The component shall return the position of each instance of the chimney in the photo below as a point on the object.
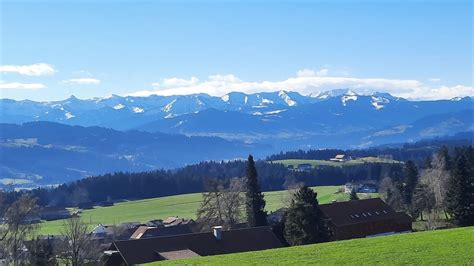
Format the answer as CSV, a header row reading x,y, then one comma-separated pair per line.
x,y
217,232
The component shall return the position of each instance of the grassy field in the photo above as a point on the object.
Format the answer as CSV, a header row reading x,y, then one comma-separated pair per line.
x,y
443,247
316,163
181,205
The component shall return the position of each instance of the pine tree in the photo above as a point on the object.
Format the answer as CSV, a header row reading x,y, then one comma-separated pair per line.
x,y
254,201
411,180
427,163
304,222
460,196
444,153
353,195
423,200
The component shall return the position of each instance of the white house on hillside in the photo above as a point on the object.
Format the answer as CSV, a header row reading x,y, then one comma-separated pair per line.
x,y
340,158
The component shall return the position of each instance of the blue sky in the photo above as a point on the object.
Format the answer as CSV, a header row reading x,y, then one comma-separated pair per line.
x,y
414,49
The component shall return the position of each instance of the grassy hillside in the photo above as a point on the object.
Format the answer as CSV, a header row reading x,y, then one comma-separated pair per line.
x,y
181,205
444,247
316,163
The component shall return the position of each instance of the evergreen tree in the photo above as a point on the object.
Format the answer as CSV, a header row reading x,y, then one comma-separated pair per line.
x,y
353,195
411,180
254,201
427,163
40,252
304,222
423,200
444,153
460,196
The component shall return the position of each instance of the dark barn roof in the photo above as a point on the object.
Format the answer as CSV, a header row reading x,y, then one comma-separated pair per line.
x,y
145,250
361,211
147,231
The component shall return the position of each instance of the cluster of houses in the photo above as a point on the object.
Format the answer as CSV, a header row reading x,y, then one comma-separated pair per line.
x,y
361,187
178,238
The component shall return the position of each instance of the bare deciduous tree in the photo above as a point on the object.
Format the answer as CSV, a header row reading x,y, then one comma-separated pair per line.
x,y
232,202
436,178
19,225
390,193
78,246
222,205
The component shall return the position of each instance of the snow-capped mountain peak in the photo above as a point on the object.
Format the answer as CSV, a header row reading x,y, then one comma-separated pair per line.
x,y
284,95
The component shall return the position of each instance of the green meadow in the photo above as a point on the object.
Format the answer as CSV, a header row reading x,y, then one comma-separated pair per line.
x,y
442,247
316,163
180,205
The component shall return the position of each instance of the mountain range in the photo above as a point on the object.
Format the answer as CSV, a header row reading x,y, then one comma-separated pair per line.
x,y
59,141
284,120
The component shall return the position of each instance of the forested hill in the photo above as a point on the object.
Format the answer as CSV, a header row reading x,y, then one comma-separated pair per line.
x,y
192,178
272,176
402,152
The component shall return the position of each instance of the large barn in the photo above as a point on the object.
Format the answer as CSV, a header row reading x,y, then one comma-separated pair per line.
x,y
139,251
365,218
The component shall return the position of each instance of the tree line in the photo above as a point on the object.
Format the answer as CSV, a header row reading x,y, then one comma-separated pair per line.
x,y
193,178
442,186
402,152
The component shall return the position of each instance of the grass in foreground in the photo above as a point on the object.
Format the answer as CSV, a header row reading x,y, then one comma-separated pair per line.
x,y
180,205
443,247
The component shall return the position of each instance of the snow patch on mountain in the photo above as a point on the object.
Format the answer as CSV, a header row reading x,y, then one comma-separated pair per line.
x,y
266,101
138,110
169,106
225,98
68,115
119,106
378,102
346,98
275,112
331,93
286,98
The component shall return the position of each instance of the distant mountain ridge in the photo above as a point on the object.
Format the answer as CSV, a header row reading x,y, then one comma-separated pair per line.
x,y
52,153
282,119
107,110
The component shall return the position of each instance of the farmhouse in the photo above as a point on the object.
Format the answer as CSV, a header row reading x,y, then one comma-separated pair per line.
x,y
339,158
109,232
365,218
217,242
367,187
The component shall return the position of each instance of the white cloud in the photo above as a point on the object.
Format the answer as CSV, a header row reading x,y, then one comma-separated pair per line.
x,y
224,78
312,73
307,82
40,69
82,81
177,82
21,86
